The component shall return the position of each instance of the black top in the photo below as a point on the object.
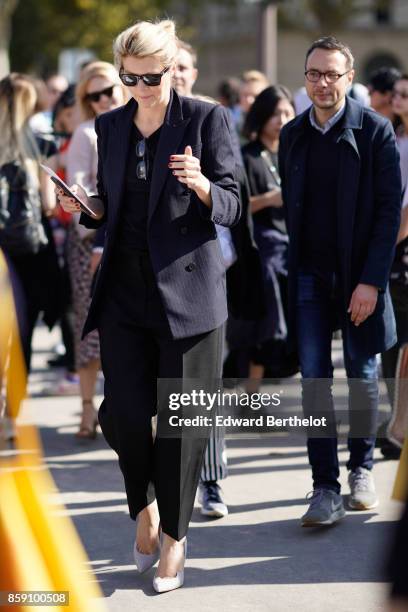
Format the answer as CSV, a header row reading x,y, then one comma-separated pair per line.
x,y
132,231
46,146
38,275
319,218
263,176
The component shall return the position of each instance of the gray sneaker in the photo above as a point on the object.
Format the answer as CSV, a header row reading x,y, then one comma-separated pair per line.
x,y
326,507
362,490
209,496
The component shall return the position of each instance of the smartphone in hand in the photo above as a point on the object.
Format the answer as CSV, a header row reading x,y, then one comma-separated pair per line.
x,y
93,208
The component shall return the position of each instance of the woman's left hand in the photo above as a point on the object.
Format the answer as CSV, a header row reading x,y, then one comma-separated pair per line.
x,y
186,168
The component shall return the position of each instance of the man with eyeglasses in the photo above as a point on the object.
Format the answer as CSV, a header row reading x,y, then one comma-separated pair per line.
x,y
341,187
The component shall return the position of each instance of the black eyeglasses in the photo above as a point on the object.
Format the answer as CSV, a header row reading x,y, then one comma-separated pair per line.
x,y
95,96
151,80
141,168
314,76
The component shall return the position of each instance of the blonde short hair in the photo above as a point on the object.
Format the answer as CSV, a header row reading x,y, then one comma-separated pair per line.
x,y
91,71
185,46
254,76
146,38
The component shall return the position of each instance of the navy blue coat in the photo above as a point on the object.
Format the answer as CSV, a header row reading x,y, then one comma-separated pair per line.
x,y
183,245
368,215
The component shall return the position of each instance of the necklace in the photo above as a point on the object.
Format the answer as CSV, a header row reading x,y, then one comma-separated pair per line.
x,y
267,157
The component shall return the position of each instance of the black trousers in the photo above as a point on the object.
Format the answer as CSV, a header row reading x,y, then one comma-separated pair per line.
x,y
136,349
27,299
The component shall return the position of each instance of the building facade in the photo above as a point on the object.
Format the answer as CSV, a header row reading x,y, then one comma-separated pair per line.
x,y
229,39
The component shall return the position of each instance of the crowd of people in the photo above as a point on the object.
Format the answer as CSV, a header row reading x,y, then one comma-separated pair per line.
x,y
294,198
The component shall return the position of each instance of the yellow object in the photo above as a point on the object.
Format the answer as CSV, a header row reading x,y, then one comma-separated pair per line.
x,y
39,547
400,491
12,366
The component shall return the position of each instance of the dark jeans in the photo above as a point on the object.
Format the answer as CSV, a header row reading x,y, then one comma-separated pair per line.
x,y
319,307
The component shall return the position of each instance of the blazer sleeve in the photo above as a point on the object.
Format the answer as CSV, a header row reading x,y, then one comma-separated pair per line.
x,y
101,193
218,163
282,153
387,209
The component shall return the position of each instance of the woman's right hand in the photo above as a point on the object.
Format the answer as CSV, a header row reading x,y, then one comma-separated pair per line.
x,y
69,204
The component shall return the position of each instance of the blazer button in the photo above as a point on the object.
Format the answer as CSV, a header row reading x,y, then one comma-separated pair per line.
x,y
297,205
183,230
190,267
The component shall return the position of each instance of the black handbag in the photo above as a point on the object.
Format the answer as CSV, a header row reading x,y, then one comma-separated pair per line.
x,y
21,229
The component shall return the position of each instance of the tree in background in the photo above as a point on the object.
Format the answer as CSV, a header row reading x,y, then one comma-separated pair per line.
x,y
333,15
42,28
7,7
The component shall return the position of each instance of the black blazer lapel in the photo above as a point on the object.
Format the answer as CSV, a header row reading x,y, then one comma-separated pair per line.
x,y
118,151
171,135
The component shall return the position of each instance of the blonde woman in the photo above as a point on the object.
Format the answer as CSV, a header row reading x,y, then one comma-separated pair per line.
x,y
25,197
165,177
98,90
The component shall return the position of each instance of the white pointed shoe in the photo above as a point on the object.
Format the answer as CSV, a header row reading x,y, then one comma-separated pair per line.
x,y
162,585
143,561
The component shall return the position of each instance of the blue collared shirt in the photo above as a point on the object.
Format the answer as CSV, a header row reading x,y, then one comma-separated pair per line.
x,y
329,123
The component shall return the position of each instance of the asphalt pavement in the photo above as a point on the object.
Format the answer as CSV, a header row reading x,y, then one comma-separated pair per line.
x,y
258,558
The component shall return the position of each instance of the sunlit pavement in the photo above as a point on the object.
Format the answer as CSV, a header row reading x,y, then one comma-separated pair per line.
x,y
256,558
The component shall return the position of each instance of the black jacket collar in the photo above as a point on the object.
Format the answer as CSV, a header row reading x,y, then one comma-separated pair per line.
x,y
173,116
352,118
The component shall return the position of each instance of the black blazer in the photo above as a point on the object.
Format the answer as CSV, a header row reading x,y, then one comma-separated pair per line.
x,y
368,214
183,245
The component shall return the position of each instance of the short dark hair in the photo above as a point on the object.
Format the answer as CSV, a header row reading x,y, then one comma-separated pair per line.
x,y
66,100
263,108
330,43
228,90
383,79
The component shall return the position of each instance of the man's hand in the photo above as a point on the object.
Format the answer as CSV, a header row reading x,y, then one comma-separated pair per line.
x,y
362,303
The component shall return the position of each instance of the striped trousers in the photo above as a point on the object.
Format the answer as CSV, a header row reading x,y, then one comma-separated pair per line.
x,y
214,465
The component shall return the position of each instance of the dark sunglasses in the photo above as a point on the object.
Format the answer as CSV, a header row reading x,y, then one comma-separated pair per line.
x,y
95,96
141,168
151,80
